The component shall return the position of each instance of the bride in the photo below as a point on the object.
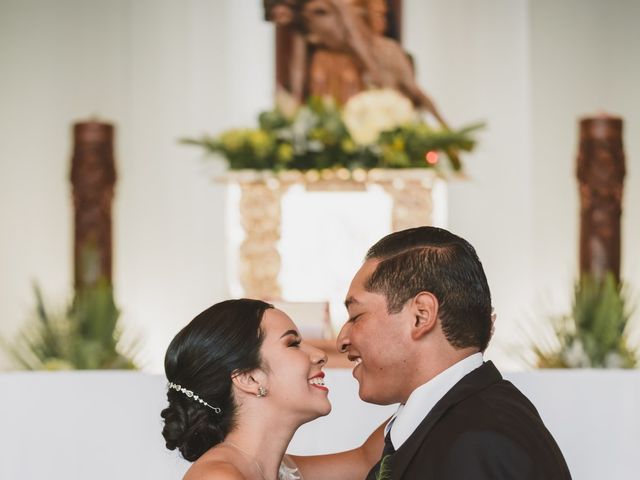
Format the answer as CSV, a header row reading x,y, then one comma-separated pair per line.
x,y
241,382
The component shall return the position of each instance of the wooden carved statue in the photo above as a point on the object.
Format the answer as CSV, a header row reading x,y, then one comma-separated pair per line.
x,y
601,171
93,177
337,48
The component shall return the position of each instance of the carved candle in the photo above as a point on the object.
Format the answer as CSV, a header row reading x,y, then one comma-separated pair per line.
x,y
601,171
93,176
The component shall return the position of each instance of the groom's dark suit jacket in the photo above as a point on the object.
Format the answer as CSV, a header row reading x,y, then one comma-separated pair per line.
x,y
483,428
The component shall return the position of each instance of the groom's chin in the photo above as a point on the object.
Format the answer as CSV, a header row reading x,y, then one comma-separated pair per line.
x,y
371,397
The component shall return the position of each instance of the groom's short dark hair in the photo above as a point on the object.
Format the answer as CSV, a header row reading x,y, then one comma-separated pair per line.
x,y
435,260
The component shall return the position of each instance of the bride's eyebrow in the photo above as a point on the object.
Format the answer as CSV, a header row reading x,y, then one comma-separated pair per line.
x,y
289,332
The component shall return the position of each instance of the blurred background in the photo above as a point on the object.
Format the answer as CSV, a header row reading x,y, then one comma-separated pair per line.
x,y
162,70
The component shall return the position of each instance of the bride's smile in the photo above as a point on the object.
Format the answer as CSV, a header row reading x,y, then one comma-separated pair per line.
x,y
292,369
241,382
318,381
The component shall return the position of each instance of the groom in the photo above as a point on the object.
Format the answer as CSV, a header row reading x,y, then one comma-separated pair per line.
x,y
419,320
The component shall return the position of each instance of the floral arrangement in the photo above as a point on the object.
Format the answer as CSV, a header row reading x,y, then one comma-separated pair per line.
x,y
374,129
595,334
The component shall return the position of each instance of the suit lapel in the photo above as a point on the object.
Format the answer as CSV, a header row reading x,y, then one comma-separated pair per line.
x,y
475,381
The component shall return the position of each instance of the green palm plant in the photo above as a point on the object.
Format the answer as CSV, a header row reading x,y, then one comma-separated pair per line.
x,y
86,336
595,334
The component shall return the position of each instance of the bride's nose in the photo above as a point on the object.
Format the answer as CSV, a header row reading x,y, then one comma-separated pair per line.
x,y
318,357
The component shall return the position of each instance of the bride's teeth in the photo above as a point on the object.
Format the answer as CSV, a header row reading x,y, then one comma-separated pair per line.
x,y
316,381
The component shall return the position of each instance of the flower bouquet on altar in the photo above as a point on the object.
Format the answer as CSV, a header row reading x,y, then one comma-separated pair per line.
x,y
374,129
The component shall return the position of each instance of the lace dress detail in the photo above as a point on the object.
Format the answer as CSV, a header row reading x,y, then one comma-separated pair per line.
x,y
289,470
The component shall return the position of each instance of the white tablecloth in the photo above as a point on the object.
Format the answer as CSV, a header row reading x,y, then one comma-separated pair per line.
x,y
106,425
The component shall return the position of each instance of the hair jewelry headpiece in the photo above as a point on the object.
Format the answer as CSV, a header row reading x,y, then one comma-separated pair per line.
x,y
190,394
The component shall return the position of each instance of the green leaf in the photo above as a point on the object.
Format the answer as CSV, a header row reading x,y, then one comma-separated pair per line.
x,y
87,336
384,473
595,333
318,138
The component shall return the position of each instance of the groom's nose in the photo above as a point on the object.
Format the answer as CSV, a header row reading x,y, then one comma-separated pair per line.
x,y
343,342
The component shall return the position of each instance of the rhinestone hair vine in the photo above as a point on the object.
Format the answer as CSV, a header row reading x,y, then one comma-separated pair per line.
x,y
190,394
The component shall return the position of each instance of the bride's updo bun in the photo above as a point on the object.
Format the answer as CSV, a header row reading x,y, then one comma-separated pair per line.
x,y
224,339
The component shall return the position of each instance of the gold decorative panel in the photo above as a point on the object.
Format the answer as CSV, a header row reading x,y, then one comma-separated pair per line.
x,y
411,192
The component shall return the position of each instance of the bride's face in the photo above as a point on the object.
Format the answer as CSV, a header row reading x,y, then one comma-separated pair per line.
x,y
293,368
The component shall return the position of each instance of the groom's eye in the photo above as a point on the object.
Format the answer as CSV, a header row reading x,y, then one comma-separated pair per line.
x,y
354,318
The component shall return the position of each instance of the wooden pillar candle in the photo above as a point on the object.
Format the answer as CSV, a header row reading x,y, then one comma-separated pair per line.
x,y
601,171
93,177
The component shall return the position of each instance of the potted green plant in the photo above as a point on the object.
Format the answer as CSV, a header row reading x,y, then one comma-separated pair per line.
x,y
595,333
86,336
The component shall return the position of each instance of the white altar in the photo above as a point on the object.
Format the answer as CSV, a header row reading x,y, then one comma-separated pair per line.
x,y
106,425
300,236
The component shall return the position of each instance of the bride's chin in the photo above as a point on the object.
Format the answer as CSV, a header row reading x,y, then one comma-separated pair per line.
x,y
320,412
326,410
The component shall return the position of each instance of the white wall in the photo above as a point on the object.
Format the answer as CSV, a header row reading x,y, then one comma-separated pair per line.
x,y
124,407
162,69
159,70
531,69
473,57
585,59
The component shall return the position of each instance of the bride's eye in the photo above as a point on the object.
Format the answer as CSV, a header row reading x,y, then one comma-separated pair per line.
x,y
295,343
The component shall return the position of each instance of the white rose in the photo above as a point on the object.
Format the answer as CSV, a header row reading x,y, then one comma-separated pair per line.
x,y
372,112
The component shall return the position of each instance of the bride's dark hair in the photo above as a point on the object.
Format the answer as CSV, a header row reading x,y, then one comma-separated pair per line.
x,y
224,339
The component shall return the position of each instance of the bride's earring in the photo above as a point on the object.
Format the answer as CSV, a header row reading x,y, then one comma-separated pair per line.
x,y
262,391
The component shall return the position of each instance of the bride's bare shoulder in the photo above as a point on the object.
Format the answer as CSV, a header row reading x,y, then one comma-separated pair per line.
x,y
213,470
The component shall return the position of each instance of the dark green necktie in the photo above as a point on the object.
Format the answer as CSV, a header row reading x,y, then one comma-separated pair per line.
x,y
387,451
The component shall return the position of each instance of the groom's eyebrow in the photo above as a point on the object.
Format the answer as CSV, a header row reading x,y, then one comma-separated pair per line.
x,y
289,332
350,301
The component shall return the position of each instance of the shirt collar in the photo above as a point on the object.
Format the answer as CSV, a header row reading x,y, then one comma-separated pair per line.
x,y
423,399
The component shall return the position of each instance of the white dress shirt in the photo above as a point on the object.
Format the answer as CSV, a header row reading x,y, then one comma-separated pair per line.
x,y
423,399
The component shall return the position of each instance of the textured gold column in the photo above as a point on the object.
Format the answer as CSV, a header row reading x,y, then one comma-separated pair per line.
x,y
260,212
260,215
412,203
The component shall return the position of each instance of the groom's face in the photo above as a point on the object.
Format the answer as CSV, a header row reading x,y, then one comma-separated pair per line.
x,y
376,341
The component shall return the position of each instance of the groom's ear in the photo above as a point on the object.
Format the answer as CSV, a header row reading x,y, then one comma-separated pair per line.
x,y
247,382
425,311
